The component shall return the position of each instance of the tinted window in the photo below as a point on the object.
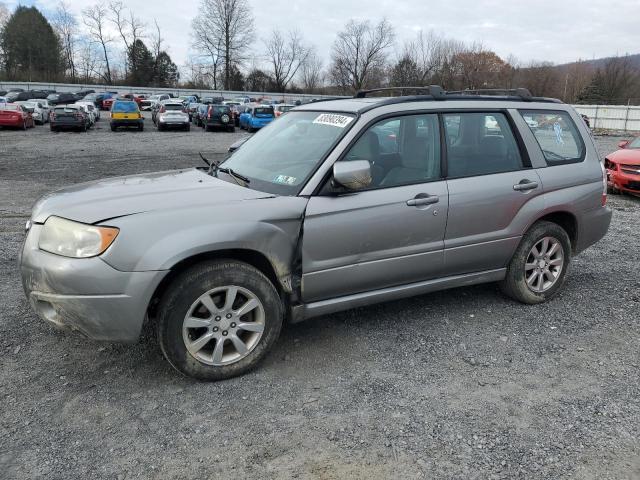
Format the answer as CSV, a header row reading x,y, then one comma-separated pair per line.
x,y
479,144
264,111
401,150
173,107
557,136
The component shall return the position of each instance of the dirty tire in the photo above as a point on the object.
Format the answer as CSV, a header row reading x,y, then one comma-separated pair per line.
x,y
187,287
514,284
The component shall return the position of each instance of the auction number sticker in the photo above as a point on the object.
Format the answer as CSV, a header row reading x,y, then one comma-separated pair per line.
x,y
333,119
285,179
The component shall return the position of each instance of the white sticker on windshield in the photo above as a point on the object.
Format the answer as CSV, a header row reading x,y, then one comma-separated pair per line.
x,y
333,119
285,179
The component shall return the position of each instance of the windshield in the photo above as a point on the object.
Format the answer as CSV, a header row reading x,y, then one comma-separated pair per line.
x,y
282,156
125,107
635,143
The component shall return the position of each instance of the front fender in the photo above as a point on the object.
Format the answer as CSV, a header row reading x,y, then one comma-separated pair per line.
x,y
159,240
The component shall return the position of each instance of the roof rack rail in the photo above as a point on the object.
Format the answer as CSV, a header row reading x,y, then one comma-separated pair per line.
x,y
436,91
523,93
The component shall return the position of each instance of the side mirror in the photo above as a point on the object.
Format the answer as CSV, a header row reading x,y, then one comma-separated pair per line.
x,y
623,144
354,175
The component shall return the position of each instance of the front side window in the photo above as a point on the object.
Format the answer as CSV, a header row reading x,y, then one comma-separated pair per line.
x,y
556,134
283,155
401,150
480,144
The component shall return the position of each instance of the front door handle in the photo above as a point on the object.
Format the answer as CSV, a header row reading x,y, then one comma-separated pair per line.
x,y
525,185
423,199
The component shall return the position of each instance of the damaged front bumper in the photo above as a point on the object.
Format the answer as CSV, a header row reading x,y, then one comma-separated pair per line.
x,y
86,295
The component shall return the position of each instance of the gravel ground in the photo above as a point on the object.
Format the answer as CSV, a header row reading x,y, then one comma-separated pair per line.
x,y
459,384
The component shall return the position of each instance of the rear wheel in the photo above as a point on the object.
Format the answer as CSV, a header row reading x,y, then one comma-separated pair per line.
x,y
249,129
539,266
218,320
231,129
140,127
187,128
113,128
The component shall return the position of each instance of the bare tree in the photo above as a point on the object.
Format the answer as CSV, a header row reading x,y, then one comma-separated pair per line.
x,y
88,59
66,27
229,24
95,19
311,76
209,45
285,55
360,50
130,28
4,16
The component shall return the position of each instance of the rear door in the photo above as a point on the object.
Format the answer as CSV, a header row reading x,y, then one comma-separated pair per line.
x,y
493,191
390,234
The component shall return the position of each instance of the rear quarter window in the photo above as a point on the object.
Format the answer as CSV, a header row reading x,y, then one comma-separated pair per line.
x,y
556,134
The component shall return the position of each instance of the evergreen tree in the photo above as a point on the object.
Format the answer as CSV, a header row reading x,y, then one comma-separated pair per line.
x,y
165,71
141,64
31,49
594,92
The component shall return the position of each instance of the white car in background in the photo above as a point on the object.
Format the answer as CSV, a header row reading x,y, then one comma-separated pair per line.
x,y
91,109
282,108
39,113
172,114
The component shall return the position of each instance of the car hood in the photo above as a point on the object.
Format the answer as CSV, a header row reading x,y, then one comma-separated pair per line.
x,y
100,200
629,156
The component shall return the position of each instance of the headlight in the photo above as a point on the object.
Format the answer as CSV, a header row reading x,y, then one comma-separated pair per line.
x,y
73,239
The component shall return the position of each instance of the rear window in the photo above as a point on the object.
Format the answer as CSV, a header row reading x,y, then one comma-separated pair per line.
x,y
173,107
9,106
66,110
264,111
556,134
125,107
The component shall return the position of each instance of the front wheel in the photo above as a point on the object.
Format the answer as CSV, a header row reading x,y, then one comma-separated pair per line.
x,y
218,320
539,266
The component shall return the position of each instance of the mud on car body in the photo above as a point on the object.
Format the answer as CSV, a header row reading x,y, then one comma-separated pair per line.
x,y
338,204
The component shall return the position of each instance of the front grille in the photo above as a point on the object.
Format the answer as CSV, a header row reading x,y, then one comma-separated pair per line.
x,y
631,169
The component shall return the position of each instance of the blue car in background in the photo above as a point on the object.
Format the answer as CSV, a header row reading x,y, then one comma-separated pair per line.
x,y
254,118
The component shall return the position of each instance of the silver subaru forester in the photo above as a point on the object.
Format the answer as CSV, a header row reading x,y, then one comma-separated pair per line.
x,y
335,205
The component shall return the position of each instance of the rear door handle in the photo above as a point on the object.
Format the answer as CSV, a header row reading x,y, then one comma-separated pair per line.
x,y
525,185
423,199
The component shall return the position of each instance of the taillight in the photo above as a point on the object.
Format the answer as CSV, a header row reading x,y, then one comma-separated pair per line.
x,y
604,184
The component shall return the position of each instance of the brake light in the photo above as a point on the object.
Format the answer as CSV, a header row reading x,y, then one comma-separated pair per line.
x,y
604,185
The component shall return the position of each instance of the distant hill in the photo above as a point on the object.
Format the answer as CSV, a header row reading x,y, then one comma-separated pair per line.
x,y
599,62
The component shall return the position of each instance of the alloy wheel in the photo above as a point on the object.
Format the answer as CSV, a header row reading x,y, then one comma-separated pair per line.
x,y
544,264
223,325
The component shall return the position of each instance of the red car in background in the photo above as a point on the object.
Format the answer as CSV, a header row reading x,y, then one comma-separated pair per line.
x,y
623,168
15,115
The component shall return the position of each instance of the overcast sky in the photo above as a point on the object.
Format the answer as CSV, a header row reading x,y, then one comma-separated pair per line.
x,y
555,30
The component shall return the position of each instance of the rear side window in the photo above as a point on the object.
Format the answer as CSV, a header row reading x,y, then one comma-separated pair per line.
x,y
556,134
480,144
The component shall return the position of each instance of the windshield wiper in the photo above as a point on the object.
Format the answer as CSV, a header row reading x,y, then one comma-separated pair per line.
x,y
214,168
230,172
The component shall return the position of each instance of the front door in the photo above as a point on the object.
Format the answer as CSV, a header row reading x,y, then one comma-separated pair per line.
x,y
389,234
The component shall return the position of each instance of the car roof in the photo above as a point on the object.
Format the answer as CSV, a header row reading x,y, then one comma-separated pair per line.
x,y
433,97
